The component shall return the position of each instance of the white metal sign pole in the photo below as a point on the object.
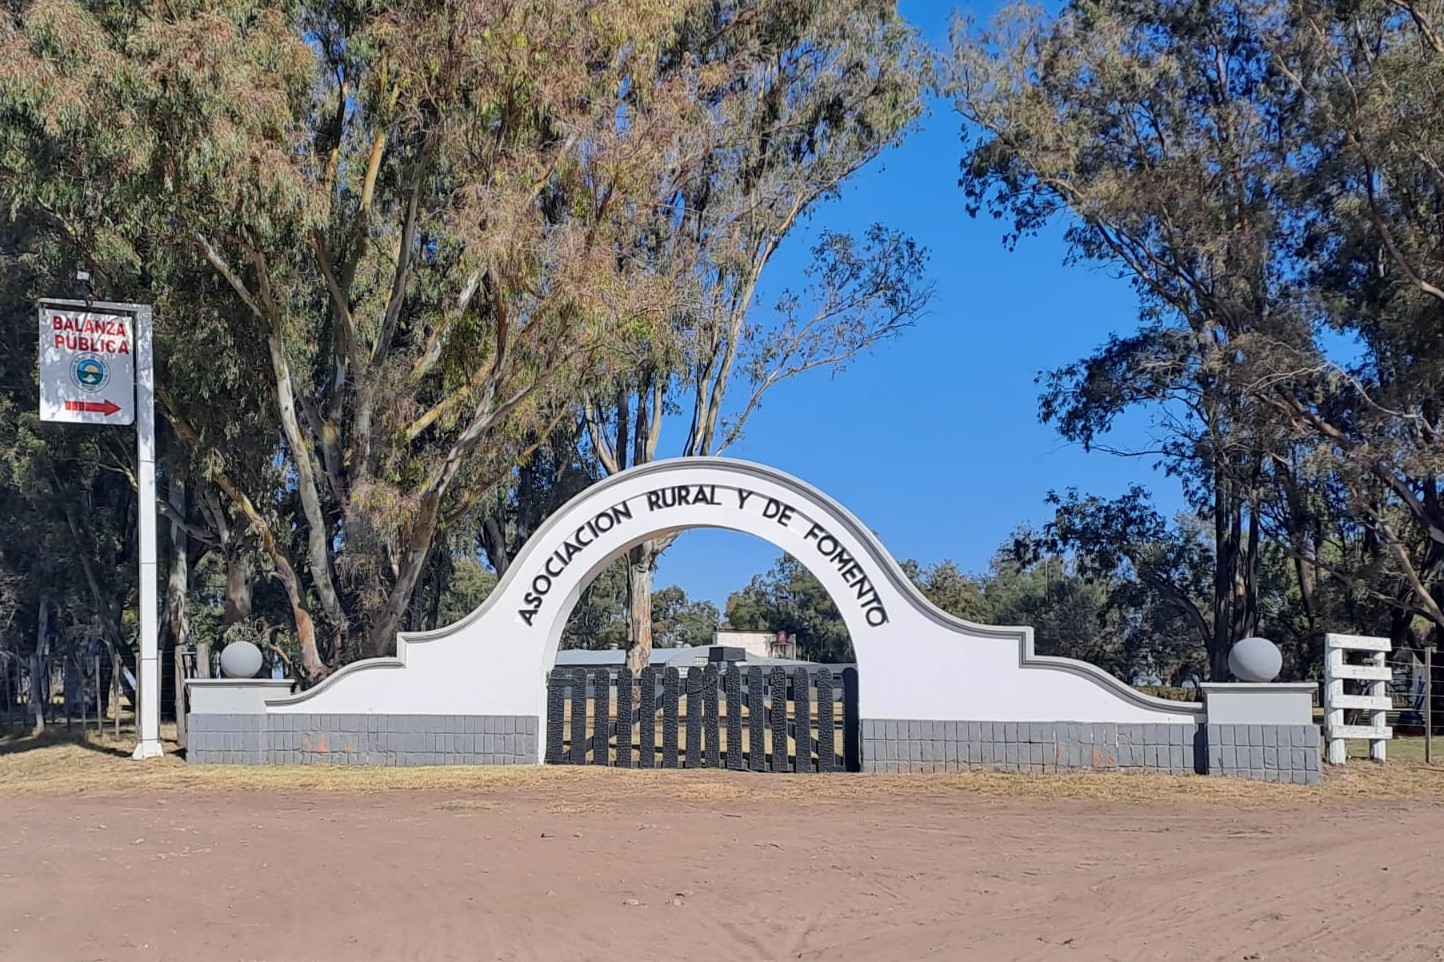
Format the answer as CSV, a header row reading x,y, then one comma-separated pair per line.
x,y
148,681
97,367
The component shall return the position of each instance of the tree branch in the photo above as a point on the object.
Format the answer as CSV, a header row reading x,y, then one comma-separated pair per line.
x,y
317,534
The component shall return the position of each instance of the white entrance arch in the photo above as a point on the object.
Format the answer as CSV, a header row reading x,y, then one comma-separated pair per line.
x,y
917,664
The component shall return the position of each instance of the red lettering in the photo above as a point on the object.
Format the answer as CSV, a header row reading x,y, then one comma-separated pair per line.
x,y
110,327
97,335
84,343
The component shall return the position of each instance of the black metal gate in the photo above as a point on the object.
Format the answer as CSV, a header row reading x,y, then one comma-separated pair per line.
x,y
798,719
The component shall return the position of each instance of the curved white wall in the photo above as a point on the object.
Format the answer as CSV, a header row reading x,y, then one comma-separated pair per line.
x,y
914,661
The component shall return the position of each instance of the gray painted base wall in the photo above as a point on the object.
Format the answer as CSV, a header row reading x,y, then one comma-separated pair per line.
x,y
1036,747
1271,753
1274,753
299,739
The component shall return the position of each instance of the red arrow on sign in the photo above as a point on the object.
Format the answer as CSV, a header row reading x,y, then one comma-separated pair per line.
x,y
106,407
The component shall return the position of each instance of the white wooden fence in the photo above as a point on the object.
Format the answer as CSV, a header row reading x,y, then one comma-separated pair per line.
x,y
1372,669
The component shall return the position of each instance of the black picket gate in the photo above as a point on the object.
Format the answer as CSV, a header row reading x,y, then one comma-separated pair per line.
x,y
799,719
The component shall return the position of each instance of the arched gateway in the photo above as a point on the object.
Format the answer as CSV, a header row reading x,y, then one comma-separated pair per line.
x,y
935,692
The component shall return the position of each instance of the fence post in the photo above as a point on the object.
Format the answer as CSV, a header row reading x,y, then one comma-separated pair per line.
x,y
80,670
1375,673
579,716
602,716
756,721
802,720
778,696
711,732
647,719
179,664
734,718
99,711
694,717
115,689
1379,717
624,718
670,683
1429,705
556,717
1333,716
826,724
851,724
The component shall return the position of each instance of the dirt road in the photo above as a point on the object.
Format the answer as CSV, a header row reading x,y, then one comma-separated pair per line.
x,y
396,876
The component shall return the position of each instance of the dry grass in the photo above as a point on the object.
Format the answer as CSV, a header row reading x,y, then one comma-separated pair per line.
x,y
56,765
1401,750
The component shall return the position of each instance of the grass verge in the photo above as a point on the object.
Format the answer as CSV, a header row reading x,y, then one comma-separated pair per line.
x,y
56,764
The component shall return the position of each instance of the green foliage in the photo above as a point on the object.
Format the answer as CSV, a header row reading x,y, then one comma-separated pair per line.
x,y
790,598
827,88
678,622
1077,610
952,590
410,237
1076,607
599,619
467,587
1234,162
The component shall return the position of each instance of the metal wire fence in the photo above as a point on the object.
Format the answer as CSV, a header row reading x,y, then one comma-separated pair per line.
x,y
77,688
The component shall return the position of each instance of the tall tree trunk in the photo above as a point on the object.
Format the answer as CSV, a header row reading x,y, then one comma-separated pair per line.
x,y
238,590
435,588
40,667
236,604
1245,583
311,663
318,531
74,688
641,563
177,587
493,541
1225,564
433,580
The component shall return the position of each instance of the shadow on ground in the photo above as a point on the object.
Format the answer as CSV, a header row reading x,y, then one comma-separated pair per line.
x,y
12,744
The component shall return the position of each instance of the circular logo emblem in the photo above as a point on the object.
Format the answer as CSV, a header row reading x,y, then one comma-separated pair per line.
x,y
90,373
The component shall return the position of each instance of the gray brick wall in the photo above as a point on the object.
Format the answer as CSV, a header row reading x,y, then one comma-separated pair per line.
x,y
1275,753
226,739
896,745
318,739
1271,753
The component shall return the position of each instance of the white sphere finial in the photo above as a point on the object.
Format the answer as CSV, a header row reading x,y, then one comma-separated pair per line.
x,y
241,659
1255,660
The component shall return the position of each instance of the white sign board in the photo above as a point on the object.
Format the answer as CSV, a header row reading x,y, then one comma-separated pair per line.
x,y
87,366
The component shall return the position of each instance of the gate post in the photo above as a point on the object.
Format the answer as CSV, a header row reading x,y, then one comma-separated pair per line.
x,y
851,724
556,716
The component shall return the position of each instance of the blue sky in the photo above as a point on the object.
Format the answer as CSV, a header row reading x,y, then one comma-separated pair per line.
x,y
933,441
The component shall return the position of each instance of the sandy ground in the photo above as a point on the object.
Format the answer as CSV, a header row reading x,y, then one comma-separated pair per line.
x,y
315,877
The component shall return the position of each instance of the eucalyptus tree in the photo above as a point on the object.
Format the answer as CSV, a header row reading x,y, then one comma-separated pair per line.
x,y
829,87
1372,422
1163,136
1268,174
422,230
